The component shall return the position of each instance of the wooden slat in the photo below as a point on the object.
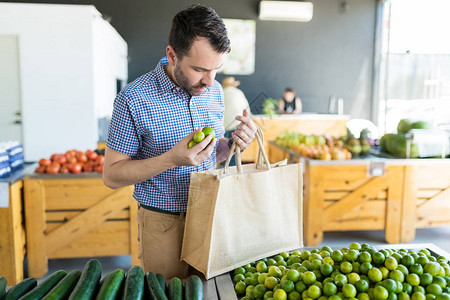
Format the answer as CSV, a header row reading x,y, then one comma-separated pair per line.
x,y
63,216
106,239
409,205
134,244
34,196
369,215
329,203
12,236
336,195
426,175
65,194
427,193
358,196
363,223
394,204
433,205
438,219
312,204
106,208
225,288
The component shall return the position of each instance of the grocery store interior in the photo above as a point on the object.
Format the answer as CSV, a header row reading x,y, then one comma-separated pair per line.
x,y
352,99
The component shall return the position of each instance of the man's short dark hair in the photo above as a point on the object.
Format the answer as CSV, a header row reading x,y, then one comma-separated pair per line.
x,y
289,89
194,22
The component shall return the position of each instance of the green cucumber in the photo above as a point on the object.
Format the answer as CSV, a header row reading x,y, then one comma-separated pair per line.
x,y
63,289
3,284
45,286
111,285
134,284
194,288
21,289
175,289
162,282
87,285
154,288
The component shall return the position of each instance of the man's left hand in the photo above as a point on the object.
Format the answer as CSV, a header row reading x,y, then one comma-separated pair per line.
x,y
245,131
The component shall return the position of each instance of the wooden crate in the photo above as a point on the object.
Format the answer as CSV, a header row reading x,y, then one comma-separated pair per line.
x,y
74,216
341,196
12,236
427,196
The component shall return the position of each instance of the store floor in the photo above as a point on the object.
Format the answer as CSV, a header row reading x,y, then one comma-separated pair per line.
x,y
438,236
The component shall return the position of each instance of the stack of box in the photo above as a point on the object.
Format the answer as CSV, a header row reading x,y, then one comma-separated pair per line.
x,y
11,157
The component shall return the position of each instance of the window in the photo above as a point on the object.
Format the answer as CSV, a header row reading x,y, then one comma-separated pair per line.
x,y
415,63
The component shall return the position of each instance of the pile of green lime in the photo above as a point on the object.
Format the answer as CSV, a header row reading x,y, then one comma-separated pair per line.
x,y
357,272
200,136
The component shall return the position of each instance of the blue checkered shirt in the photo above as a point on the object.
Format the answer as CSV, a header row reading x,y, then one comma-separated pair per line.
x,y
150,116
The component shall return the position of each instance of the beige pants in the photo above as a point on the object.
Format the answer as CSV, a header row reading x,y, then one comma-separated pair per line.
x,y
160,238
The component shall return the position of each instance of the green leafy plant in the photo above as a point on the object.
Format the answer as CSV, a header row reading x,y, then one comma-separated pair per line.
x,y
270,106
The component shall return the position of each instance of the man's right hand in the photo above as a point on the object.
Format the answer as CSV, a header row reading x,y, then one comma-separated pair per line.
x,y
182,155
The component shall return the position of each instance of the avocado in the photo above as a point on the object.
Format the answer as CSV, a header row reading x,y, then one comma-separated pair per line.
x,y
421,125
396,145
404,125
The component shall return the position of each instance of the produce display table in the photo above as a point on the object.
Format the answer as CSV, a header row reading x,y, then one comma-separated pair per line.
x,y
225,285
317,124
395,195
12,231
70,215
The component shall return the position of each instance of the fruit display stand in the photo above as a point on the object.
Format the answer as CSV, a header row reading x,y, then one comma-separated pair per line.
x,y
372,193
357,194
427,196
76,215
225,285
333,125
12,231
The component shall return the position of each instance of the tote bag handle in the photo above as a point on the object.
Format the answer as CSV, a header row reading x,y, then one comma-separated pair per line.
x,y
235,150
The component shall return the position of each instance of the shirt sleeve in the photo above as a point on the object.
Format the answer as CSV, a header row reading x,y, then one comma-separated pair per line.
x,y
123,135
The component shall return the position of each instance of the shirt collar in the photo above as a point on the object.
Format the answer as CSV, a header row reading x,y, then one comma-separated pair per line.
x,y
165,83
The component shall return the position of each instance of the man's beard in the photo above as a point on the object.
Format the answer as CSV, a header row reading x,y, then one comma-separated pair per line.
x,y
183,82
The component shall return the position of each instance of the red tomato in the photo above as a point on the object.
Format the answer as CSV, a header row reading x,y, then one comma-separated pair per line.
x,y
100,159
87,167
92,155
68,154
64,169
55,156
45,162
76,168
99,168
53,168
72,160
61,159
40,169
81,157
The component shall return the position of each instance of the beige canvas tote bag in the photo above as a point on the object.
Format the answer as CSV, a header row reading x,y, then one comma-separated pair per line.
x,y
237,215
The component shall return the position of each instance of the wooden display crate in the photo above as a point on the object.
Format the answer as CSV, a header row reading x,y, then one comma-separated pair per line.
x,y
77,216
426,196
12,236
342,195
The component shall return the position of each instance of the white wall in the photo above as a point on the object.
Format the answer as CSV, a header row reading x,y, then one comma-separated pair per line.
x,y
110,63
57,75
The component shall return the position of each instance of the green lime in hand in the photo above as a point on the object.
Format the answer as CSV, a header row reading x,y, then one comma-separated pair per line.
x,y
208,130
191,144
199,136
